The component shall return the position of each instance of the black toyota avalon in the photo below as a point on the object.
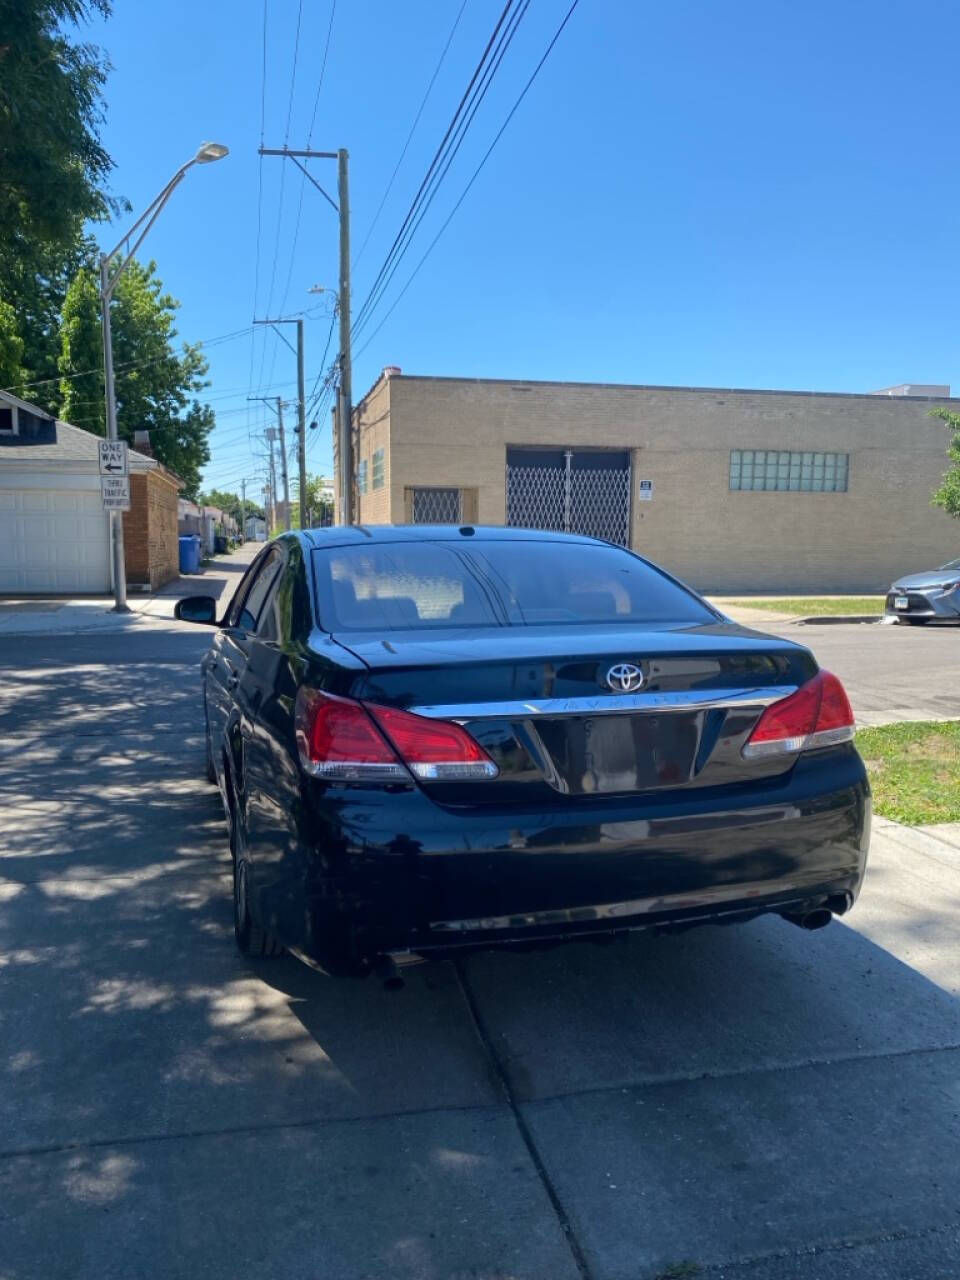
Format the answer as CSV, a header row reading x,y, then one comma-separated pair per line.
x,y
432,738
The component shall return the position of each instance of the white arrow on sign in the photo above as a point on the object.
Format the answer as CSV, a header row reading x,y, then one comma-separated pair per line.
x,y
114,458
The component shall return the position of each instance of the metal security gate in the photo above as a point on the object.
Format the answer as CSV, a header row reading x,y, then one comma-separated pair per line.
x,y
584,491
436,506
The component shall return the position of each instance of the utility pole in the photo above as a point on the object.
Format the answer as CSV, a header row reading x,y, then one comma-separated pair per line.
x,y
271,436
344,440
301,427
276,403
243,510
346,363
283,466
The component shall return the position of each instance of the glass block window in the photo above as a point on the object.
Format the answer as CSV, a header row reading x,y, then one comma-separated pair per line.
x,y
362,476
378,468
789,471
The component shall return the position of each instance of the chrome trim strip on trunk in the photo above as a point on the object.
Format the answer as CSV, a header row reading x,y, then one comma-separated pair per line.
x,y
609,704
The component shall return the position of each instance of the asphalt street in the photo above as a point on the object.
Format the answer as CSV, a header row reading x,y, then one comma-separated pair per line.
x,y
755,1102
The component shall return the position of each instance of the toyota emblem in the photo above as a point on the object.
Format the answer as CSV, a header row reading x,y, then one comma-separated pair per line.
x,y
625,677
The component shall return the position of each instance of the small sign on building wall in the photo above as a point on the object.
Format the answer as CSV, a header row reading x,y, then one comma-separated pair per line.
x,y
645,491
115,493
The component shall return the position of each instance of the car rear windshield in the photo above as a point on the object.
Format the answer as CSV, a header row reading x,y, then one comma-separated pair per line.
x,y
406,585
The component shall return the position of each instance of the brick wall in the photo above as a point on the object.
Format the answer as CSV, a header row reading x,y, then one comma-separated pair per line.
x,y
372,432
456,432
136,533
151,549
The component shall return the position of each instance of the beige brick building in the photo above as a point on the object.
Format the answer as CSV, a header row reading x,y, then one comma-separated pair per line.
x,y
731,490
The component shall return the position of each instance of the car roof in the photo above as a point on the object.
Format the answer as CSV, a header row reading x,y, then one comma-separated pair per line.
x,y
342,535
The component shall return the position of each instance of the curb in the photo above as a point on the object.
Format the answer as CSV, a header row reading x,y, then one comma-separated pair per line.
x,y
833,619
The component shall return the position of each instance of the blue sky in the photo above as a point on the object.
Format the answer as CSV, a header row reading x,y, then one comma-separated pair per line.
x,y
758,193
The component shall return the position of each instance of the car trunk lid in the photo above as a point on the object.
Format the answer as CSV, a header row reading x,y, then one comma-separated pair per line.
x,y
540,701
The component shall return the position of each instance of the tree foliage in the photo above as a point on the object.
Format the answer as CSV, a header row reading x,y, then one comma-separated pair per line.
x,y
53,172
156,384
11,347
230,503
317,506
948,494
51,110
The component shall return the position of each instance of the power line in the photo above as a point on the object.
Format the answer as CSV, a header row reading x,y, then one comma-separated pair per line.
x,y
413,127
481,92
323,69
204,343
476,172
436,161
283,173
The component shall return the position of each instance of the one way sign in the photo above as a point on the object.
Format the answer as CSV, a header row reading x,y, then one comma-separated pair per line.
x,y
114,460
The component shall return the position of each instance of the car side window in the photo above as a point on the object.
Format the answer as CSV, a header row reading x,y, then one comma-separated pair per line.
x,y
259,589
269,623
233,609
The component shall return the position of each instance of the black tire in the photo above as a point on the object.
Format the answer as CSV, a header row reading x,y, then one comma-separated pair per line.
x,y
210,770
252,939
916,622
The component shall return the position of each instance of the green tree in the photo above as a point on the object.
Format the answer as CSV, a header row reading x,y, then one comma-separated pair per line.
x,y
51,110
948,494
229,502
157,385
11,347
81,355
53,171
316,504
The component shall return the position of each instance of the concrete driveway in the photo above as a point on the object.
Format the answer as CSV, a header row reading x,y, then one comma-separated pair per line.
x,y
754,1102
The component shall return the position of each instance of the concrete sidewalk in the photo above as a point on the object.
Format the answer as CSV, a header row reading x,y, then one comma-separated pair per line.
x,y
72,615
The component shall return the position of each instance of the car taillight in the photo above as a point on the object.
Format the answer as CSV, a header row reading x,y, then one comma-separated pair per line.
x,y
346,741
337,740
434,750
817,715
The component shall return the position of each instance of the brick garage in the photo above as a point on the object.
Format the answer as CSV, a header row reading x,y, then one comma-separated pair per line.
x,y
150,533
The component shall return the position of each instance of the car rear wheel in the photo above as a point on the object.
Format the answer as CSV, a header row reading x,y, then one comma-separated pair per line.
x,y
252,938
917,622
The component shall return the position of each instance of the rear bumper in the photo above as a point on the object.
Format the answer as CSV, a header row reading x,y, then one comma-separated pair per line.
x,y
396,872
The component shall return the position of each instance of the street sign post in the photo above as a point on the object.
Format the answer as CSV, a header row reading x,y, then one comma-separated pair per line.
x,y
115,493
114,458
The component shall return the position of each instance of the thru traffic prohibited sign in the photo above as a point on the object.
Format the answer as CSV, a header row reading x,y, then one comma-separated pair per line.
x,y
114,459
115,493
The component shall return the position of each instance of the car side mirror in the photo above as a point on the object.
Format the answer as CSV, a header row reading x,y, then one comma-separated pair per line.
x,y
202,609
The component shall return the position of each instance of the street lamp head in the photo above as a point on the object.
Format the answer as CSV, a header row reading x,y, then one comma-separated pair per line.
x,y
210,151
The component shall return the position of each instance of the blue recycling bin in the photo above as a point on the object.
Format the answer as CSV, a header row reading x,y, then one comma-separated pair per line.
x,y
190,554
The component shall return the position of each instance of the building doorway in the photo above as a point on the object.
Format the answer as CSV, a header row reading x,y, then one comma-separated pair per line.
x,y
570,490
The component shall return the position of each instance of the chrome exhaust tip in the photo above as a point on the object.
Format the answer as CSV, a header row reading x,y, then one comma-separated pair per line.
x,y
816,918
385,968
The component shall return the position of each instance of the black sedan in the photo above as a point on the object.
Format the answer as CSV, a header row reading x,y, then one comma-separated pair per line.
x,y
437,738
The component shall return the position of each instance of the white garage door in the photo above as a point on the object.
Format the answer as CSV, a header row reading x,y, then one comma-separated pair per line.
x,y
53,540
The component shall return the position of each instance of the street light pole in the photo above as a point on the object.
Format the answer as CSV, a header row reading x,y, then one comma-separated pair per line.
x,y
115,518
206,154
